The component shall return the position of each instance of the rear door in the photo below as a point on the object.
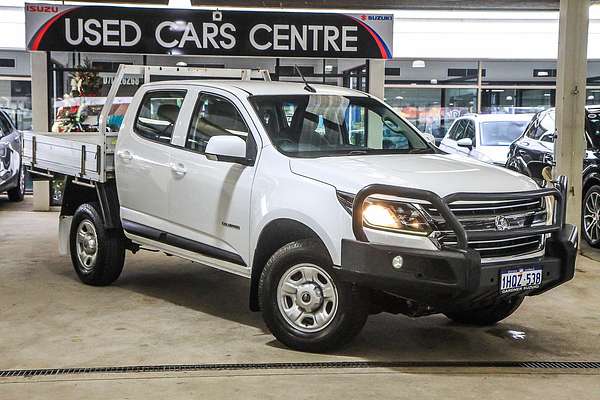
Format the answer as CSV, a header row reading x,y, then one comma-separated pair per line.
x,y
143,163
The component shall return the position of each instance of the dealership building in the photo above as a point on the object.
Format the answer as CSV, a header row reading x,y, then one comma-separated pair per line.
x,y
442,65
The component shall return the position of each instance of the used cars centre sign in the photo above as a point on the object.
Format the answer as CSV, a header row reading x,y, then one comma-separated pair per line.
x,y
109,29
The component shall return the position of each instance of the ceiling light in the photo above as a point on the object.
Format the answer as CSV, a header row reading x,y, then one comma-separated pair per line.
x,y
418,64
180,3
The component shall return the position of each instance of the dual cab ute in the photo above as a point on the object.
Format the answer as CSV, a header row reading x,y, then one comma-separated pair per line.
x,y
332,205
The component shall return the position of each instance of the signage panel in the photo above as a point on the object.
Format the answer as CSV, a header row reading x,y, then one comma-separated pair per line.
x,y
109,29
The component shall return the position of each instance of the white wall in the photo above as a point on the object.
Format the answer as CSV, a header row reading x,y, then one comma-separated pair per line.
x,y
487,35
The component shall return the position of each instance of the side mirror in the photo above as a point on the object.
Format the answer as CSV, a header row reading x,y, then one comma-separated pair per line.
x,y
465,142
429,137
228,148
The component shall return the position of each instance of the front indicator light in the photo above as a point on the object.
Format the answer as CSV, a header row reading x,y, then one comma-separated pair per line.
x,y
395,216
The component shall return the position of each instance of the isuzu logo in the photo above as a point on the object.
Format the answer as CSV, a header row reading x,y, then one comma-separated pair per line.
x,y
501,223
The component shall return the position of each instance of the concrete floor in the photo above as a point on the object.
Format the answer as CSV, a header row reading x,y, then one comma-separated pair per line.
x,y
164,310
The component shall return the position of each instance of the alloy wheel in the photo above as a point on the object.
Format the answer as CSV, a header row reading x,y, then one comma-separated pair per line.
x,y
591,217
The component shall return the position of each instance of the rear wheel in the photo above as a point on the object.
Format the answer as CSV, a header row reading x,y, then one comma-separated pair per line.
x,y
97,254
304,304
18,192
591,216
487,315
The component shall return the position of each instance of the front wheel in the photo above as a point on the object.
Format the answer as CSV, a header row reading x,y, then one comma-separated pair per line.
x,y
18,193
591,216
487,315
304,305
97,254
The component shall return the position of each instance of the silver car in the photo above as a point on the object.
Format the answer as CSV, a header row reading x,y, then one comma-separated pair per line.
x,y
12,174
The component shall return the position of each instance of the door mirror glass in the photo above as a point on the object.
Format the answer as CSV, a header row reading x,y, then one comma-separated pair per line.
x,y
227,148
465,142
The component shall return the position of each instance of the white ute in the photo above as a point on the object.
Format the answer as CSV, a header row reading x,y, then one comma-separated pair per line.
x,y
332,205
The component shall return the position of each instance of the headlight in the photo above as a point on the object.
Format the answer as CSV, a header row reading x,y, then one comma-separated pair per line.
x,y
395,216
392,216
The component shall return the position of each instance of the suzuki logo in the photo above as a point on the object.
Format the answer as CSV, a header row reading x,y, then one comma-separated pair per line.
x,y
501,223
363,17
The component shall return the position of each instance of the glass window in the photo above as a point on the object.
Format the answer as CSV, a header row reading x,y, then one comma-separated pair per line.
x,y
329,125
501,133
432,110
216,116
457,129
5,126
158,113
469,131
543,123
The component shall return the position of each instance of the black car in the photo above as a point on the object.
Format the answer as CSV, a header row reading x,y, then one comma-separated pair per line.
x,y
12,174
534,150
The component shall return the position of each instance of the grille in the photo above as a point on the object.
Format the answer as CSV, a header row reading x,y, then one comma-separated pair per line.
x,y
481,216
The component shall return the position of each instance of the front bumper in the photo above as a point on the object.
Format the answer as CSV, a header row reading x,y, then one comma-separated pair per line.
x,y
448,279
451,278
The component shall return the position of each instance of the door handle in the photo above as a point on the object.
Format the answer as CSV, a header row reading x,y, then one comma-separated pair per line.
x,y
125,155
178,169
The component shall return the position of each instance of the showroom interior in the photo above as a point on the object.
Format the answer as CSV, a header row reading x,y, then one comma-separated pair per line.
x,y
176,324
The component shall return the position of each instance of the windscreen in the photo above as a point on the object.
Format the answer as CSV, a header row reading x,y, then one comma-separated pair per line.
x,y
331,125
501,133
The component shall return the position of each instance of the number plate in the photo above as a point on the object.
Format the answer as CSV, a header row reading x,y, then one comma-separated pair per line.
x,y
520,279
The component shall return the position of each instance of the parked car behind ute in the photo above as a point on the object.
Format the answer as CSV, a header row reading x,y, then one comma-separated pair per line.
x,y
484,137
12,174
534,150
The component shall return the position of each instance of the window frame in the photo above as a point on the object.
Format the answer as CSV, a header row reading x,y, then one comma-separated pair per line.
x,y
251,144
139,110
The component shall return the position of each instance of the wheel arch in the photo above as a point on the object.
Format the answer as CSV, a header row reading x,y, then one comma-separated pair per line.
x,y
273,236
105,194
590,179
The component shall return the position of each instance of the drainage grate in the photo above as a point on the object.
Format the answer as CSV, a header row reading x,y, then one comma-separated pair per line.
x,y
298,366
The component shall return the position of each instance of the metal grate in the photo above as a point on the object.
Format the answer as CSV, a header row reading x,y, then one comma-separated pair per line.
x,y
296,366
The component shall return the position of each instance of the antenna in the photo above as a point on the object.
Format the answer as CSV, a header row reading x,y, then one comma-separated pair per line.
x,y
307,86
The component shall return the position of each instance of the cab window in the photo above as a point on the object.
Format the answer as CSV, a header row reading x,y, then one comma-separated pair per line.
x,y
216,116
158,114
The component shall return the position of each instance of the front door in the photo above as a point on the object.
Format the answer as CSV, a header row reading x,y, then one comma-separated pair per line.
x,y
210,199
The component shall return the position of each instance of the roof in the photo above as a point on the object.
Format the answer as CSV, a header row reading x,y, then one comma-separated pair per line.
x,y
265,88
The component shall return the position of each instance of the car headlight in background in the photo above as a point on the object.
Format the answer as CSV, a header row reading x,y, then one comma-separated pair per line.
x,y
395,216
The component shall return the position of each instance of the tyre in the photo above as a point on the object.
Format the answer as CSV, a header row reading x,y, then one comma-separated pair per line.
x,y
303,303
591,216
18,192
487,315
97,254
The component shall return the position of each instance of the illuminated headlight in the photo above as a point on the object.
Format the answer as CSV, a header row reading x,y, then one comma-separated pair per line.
x,y
395,216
